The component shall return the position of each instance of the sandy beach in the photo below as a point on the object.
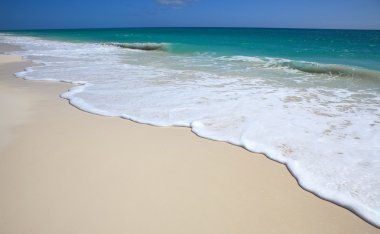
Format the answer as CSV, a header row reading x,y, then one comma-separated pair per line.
x,y
63,170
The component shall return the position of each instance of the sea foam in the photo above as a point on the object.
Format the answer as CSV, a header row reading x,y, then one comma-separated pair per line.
x,y
325,126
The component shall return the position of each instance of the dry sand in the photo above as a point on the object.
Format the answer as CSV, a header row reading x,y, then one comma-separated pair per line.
x,y
67,171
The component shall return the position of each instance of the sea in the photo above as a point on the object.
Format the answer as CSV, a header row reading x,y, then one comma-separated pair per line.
x,y
309,99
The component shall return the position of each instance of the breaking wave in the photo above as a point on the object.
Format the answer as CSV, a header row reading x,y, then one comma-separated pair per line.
x,y
309,67
332,69
142,46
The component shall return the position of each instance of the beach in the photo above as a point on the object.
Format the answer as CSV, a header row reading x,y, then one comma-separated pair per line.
x,y
63,170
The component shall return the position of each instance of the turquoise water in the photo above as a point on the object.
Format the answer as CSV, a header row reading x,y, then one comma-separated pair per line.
x,y
349,47
307,98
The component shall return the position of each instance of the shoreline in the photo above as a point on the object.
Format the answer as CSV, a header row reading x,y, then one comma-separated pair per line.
x,y
264,170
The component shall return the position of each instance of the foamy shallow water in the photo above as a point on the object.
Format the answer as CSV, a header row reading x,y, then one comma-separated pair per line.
x,y
324,127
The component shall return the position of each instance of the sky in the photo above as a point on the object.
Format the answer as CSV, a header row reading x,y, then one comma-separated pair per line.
x,y
49,14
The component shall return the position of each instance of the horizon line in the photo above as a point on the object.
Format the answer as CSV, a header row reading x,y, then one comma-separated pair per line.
x,y
165,27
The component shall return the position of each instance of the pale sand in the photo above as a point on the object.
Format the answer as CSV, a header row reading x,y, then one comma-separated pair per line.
x,y
9,58
66,171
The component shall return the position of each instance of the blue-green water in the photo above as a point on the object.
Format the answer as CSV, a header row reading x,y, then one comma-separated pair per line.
x,y
307,98
350,47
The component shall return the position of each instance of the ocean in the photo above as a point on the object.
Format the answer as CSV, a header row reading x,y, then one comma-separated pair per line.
x,y
307,98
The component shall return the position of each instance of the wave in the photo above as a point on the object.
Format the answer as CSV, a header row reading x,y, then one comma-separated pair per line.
x,y
309,67
332,69
142,46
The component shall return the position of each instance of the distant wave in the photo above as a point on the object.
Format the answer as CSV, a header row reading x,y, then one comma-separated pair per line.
x,y
309,67
141,46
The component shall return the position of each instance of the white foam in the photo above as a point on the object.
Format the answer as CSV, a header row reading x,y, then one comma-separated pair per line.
x,y
324,128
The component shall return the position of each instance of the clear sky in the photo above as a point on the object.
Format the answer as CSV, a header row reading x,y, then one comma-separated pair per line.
x,y
32,14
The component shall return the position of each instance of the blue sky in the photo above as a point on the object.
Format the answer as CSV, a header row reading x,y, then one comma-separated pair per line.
x,y
32,14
